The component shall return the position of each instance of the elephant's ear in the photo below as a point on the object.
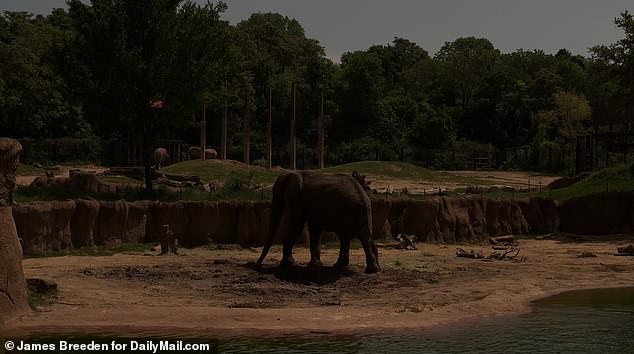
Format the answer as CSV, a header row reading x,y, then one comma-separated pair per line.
x,y
292,188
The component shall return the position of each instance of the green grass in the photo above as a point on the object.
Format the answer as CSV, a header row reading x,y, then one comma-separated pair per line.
x,y
238,181
96,251
402,170
220,171
38,300
121,180
618,178
28,170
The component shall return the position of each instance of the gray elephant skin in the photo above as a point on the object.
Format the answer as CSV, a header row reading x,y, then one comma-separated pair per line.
x,y
160,156
335,203
195,153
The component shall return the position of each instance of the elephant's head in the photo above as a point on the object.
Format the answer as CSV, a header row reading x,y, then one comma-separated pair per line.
x,y
287,191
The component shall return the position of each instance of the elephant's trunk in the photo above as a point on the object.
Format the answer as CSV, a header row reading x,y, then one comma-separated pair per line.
x,y
276,215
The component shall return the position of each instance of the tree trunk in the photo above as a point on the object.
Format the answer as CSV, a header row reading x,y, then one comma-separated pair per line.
x,y
146,165
146,155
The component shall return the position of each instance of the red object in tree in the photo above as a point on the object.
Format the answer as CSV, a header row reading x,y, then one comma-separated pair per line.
x,y
156,104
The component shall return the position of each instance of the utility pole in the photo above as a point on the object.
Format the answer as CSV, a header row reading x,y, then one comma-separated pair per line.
x,y
247,129
269,136
320,133
293,144
223,133
203,133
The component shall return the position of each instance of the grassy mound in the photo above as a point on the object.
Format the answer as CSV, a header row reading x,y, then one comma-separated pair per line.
x,y
617,178
221,171
401,170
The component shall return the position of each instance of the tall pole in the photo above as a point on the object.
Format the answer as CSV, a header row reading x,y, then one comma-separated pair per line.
x,y
320,133
247,129
223,133
269,137
203,133
293,144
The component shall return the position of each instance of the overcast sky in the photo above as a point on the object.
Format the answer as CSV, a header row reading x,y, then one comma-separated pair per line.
x,y
348,25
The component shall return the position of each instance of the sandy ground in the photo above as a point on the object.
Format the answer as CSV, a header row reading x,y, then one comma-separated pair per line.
x,y
210,291
503,178
518,180
510,178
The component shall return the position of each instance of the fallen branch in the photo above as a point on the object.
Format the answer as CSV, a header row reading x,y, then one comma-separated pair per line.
x,y
168,182
183,178
404,242
137,173
407,242
586,255
462,253
502,239
500,256
504,256
545,237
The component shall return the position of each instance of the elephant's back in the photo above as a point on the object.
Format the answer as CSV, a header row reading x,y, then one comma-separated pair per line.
x,y
336,201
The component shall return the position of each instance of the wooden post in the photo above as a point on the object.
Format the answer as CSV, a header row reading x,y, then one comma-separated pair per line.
x,y
269,135
223,128
293,143
247,130
203,133
320,133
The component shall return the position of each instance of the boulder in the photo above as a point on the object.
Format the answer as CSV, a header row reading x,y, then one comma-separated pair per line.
x,y
13,290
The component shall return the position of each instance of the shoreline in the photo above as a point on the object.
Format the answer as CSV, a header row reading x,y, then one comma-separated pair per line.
x,y
460,293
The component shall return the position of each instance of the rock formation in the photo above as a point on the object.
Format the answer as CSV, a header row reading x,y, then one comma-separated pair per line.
x,y
13,293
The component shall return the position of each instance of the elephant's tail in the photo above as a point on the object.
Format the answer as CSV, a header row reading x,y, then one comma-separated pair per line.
x,y
265,251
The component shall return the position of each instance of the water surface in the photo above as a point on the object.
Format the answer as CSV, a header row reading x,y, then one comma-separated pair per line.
x,y
587,321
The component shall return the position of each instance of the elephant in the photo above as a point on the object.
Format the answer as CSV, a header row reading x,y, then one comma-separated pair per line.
x,y
194,153
335,203
160,156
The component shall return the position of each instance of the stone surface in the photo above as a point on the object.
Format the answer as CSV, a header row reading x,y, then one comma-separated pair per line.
x,y
13,291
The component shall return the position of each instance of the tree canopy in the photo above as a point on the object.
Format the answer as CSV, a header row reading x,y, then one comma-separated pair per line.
x,y
94,69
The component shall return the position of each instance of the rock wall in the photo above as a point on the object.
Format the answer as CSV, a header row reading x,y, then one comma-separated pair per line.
x,y
598,214
56,226
13,293
61,225
449,219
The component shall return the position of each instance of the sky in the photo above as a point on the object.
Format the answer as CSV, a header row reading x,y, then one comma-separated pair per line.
x,y
348,25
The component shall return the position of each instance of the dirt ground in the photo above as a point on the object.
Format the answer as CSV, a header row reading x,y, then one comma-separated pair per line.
x,y
212,291
26,180
504,178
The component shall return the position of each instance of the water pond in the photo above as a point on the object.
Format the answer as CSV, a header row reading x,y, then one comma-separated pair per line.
x,y
587,321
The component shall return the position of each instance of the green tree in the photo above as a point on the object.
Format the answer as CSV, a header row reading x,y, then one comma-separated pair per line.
x,y
568,118
34,98
278,56
136,52
612,67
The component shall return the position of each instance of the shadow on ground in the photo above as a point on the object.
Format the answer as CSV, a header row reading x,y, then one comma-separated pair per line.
x,y
303,275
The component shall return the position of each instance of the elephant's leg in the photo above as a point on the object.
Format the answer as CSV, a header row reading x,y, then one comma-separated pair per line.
x,y
344,253
315,245
287,253
371,255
